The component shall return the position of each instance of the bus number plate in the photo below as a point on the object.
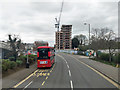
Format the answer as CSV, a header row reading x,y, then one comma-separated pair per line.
x,y
43,62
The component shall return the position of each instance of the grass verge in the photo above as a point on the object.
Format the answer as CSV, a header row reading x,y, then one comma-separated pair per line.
x,y
105,62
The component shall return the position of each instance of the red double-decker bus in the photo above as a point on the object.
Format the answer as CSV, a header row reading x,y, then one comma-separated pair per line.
x,y
45,56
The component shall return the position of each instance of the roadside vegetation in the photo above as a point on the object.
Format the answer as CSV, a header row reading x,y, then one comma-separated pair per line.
x,y
15,58
10,63
104,58
101,39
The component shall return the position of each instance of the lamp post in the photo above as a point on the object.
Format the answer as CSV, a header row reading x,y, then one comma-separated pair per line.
x,y
57,26
89,26
27,63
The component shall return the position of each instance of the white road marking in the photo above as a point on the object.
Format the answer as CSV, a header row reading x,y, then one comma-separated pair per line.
x,y
71,84
105,77
67,65
69,73
66,62
29,84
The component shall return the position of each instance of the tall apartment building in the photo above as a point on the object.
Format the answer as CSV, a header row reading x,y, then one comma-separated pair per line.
x,y
63,37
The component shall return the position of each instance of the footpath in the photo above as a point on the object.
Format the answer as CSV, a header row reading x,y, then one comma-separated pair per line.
x,y
11,80
109,71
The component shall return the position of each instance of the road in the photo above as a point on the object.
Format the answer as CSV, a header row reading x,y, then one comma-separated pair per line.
x,y
67,72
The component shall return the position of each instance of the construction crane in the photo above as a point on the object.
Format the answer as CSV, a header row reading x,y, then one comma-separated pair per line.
x,y
58,20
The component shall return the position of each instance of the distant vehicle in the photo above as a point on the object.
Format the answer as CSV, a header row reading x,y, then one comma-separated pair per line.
x,y
45,56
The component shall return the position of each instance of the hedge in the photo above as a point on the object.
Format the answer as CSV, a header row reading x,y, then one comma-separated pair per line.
x,y
21,61
116,58
104,56
11,58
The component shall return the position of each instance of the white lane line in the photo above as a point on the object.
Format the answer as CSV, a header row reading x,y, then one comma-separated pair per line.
x,y
69,73
99,73
66,62
68,66
71,84
29,84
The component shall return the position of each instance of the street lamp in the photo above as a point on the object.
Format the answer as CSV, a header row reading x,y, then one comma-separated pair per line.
x,y
57,26
89,26
27,63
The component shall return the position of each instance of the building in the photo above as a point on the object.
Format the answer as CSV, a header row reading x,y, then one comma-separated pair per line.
x,y
39,43
29,46
59,38
63,37
5,49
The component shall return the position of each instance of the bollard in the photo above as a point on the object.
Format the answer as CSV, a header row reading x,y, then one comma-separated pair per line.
x,y
27,65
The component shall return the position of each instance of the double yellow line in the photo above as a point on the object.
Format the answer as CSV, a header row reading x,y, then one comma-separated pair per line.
x,y
48,75
33,75
24,80
105,77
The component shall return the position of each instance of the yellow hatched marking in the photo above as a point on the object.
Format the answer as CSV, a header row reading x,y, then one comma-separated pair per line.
x,y
46,78
39,70
43,83
44,74
50,70
40,74
48,74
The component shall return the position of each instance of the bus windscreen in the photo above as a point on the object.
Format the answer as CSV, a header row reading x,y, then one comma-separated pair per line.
x,y
43,53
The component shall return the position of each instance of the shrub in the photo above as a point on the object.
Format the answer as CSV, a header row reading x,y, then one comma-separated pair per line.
x,y
19,62
6,62
4,68
104,56
13,64
32,58
23,59
12,58
116,58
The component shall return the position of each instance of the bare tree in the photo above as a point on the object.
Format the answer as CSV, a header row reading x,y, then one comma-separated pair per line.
x,y
103,39
82,39
110,43
15,44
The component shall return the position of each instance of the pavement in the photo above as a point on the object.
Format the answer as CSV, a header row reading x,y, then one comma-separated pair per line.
x,y
12,79
68,72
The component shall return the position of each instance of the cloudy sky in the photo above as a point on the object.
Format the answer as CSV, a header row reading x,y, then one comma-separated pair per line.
x,y
34,20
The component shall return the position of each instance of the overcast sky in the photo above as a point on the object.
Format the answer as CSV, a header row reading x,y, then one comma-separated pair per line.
x,y
34,20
